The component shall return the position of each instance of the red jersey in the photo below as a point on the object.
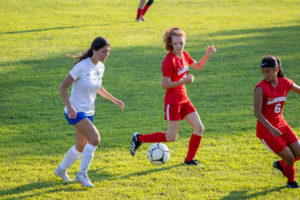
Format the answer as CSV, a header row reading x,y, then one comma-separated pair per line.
x,y
176,68
274,99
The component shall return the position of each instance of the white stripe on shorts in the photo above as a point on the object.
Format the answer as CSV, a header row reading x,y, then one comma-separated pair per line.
x,y
267,145
168,112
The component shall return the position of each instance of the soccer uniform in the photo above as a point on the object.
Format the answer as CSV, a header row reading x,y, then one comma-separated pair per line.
x,y
87,81
177,103
273,102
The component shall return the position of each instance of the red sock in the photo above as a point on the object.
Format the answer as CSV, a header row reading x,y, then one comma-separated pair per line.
x,y
193,147
289,171
139,13
153,137
145,9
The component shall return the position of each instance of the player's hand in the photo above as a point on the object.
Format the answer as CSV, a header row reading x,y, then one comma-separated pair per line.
x,y
71,112
275,131
120,103
210,50
189,79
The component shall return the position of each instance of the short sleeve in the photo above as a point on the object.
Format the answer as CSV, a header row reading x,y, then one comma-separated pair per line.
x,y
167,67
75,72
288,84
188,58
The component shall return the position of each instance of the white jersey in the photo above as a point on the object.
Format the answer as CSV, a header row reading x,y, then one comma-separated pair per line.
x,y
87,81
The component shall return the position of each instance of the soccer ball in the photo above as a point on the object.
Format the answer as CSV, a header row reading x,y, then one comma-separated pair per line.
x,y
158,154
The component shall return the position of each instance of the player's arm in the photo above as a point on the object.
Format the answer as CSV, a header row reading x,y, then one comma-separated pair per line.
x,y
258,100
296,88
167,83
105,94
201,63
64,94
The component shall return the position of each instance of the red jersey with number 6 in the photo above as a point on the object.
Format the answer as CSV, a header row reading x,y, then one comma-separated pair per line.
x,y
274,99
176,68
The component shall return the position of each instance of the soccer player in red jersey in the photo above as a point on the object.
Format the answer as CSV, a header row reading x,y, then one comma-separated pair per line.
x,y
141,11
272,129
175,68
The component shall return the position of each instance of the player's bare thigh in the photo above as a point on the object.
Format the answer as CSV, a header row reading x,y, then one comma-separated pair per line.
x,y
172,133
194,120
88,129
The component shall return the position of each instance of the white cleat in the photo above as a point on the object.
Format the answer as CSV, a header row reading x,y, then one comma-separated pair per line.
x,y
62,174
84,180
143,19
137,20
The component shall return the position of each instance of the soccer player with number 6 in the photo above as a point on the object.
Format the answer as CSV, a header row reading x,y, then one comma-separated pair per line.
x,y
272,129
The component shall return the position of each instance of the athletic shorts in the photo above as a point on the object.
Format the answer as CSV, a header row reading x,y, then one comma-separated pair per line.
x,y
276,144
176,112
80,116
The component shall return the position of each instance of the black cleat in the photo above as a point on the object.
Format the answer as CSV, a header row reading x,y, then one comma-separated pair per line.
x,y
135,143
277,165
292,185
193,163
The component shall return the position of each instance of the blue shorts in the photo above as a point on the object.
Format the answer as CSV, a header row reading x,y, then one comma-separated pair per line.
x,y
80,116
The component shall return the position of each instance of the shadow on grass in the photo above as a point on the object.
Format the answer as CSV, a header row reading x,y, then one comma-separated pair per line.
x,y
98,176
38,185
49,29
242,194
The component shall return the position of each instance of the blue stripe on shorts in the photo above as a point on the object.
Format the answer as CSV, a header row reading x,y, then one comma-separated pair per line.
x,y
80,116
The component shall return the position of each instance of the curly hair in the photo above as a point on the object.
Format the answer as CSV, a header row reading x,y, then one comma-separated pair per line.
x,y
169,33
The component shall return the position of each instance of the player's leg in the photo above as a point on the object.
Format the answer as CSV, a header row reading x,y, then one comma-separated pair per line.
x,y
147,6
172,114
287,163
86,127
194,120
295,147
140,10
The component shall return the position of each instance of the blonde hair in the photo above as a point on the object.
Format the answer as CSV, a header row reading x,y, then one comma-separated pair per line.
x,y
169,33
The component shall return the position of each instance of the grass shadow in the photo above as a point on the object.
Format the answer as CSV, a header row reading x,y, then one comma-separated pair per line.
x,y
242,194
38,185
99,176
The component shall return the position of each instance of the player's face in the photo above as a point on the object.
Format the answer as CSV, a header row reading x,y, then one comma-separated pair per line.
x,y
269,73
102,53
178,44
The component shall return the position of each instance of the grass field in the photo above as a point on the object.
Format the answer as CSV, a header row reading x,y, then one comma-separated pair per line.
x,y
36,37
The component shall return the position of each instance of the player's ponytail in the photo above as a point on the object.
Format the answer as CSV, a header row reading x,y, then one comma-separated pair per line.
x,y
280,72
98,43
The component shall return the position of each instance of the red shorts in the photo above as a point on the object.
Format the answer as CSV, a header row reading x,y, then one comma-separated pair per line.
x,y
176,112
276,144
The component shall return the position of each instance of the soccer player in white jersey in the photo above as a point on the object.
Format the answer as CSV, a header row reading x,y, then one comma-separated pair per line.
x,y
86,80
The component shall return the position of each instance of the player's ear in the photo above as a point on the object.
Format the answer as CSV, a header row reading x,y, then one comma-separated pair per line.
x,y
276,69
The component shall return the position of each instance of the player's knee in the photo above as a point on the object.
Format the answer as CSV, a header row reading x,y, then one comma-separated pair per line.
x,y
95,140
289,160
150,2
171,137
199,129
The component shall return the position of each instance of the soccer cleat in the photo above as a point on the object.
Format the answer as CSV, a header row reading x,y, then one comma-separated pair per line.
x,y
193,163
137,20
62,173
135,143
292,185
143,19
276,165
84,180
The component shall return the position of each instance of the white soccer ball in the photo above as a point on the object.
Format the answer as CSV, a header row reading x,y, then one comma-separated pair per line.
x,y
158,154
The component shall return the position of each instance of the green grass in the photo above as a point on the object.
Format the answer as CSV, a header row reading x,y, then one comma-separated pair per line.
x,y
37,36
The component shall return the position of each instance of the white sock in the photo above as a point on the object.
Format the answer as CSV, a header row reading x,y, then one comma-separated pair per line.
x,y
87,156
71,156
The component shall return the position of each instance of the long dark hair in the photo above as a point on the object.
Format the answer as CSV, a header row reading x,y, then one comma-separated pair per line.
x,y
98,43
272,61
